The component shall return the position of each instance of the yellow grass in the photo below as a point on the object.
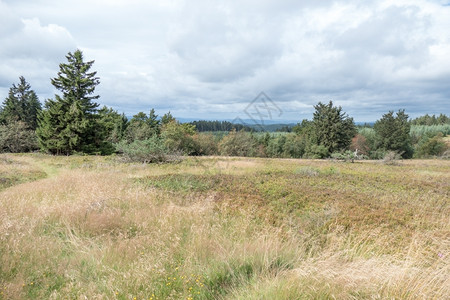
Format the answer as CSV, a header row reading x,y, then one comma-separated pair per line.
x,y
223,228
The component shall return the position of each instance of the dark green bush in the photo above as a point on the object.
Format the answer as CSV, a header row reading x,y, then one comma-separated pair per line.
x,y
317,151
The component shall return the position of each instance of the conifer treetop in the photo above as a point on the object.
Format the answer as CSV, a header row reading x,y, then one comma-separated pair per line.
x,y
76,82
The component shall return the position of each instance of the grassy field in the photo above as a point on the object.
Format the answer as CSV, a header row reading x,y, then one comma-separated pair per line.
x,y
223,228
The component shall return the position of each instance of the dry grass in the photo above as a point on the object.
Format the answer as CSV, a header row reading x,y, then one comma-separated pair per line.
x,y
221,228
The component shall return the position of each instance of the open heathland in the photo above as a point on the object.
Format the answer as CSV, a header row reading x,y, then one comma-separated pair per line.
x,y
91,227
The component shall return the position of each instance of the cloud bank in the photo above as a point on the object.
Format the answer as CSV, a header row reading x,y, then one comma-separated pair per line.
x,y
208,60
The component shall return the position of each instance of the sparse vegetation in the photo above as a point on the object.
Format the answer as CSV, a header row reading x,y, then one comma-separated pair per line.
x,y
223,228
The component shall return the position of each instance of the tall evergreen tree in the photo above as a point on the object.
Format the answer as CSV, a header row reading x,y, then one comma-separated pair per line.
x,y
392,133
70,122
22,104
332,128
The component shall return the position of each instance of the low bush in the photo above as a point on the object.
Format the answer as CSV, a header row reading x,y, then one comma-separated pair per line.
x,y
317,151
16,137
147,151
205,144
238,143
430,147
345,156
392,158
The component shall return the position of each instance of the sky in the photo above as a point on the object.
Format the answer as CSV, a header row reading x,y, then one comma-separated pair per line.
x,y
263,60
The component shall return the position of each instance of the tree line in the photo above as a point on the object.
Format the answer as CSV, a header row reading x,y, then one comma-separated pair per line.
x,y
205,126
72,122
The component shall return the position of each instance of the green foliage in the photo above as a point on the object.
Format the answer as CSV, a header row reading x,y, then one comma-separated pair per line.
x,y
70,123
370,136
418,132
179,137
430,147
167,118
295,145
275,146
147,151
203,126
179,182
332,128
113,123
238,143
317,151
345,156
206,144
142,127
428,120
222,278
304,128
286,145
17,172
22,104
393,133
16,137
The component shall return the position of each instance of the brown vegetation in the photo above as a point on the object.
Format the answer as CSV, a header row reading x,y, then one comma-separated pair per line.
x,y
213,228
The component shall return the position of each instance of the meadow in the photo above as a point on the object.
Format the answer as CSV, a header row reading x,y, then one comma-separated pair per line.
x,y
91,227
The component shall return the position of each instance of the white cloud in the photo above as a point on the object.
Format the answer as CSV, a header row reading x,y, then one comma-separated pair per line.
x,y
204,58
30,49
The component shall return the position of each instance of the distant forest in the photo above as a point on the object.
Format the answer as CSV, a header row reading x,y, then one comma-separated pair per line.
x,y
204,126
212,126
73,123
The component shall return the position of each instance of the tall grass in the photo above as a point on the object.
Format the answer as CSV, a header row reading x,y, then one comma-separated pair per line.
x,y
220,228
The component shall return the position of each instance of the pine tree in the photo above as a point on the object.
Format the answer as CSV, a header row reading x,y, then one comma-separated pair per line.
x,y
167,118
332,128
70,123
153,121
392,133
22,104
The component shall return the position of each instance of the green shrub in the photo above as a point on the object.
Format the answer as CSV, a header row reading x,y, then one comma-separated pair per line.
x,y
206,144
146,151
317,151
295,146
275,146
179,137
238,143
434,146
15,137
345,156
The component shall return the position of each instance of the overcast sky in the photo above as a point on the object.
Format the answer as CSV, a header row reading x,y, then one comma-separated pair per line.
x,y
209,60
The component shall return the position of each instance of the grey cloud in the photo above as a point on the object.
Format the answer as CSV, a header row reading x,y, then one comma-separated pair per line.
x,y
30,49
216,44
208,58
396,32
